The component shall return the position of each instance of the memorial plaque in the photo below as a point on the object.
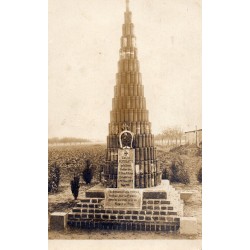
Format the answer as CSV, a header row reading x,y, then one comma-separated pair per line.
x,y
123,198
126,166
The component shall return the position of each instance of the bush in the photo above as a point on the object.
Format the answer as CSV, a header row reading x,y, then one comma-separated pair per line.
x,y
101,173
165,174
178,172
199,152
54,178
182,150
87,173
49,186
75,186
199,175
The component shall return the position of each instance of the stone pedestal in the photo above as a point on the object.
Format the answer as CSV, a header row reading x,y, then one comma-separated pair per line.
x,y
186,195
188,225
58,221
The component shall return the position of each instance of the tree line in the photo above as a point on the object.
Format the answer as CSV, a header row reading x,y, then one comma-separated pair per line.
x,y
55,140
170,136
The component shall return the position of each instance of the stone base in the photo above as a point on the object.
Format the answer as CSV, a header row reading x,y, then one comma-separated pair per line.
x,y
161,210
58,221
188,225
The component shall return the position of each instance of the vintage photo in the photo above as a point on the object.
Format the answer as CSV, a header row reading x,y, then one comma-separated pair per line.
x,y
125,122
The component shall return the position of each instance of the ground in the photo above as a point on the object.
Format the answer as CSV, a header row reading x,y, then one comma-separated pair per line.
x,y
71,159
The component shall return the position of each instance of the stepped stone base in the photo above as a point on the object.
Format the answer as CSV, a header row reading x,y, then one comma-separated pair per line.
x,y
160,211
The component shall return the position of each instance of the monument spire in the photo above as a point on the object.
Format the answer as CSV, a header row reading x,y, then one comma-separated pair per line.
x,y
127,5
129,113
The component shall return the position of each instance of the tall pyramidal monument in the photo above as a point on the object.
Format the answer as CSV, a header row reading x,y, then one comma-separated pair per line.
x,y
131,194
129,113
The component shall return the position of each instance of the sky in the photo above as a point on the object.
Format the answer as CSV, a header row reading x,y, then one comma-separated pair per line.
x,y
84,43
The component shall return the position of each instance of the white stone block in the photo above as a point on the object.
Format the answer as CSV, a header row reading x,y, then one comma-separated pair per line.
x,y
188,225
58,220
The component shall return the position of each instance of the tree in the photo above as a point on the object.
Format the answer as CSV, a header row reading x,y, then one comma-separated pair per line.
x,y
87,172
165,174
175,135
199,175
180,135
57,175
54,178
75,186
172,133
166,134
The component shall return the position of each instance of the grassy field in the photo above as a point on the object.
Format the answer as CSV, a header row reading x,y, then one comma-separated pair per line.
x,y
71,159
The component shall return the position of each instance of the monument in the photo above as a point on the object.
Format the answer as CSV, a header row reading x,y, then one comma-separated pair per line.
x,y
129,114
132,195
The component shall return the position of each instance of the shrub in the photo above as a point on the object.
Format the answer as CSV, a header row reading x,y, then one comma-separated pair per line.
x,y
199,152
178,172
75,186
49,186
101,173
54,178
199,175
87,172
165,174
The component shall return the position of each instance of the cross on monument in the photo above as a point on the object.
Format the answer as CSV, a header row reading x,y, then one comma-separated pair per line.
x,y
126,153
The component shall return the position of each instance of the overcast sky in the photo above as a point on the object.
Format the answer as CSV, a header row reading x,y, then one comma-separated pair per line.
x,y
84,43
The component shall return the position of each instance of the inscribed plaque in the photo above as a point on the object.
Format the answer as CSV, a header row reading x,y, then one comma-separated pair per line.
x,y
126,168
122,198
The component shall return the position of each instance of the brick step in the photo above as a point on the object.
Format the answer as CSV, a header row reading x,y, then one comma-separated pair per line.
x,y
98,208
91,200
144,207
145,201
126,226
157,207
88,205
155,202
145,212
83,216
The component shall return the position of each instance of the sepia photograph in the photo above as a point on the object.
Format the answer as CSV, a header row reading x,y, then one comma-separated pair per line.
x,y
135,112
125,121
